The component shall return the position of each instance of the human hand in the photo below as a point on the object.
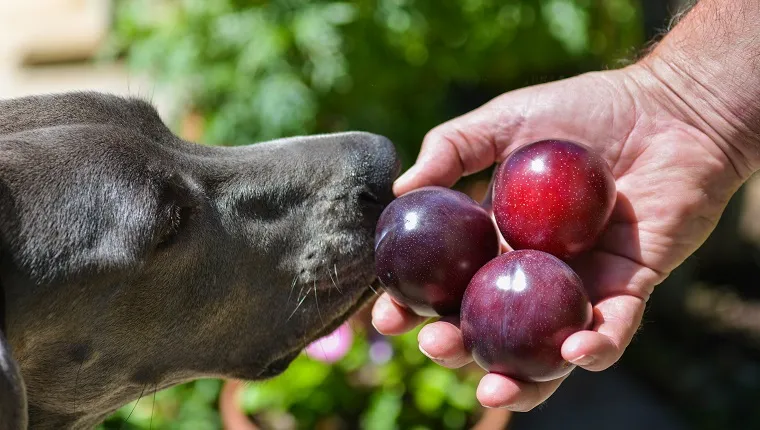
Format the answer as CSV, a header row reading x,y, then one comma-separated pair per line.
x,y
674,177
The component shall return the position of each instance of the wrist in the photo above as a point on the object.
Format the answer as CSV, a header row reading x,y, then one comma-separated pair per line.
x,y
704,72
705,100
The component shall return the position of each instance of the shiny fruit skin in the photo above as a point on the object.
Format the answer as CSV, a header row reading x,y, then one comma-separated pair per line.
x,y
554,196
428,245
518,310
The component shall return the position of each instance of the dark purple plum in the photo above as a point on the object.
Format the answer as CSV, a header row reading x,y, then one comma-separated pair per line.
x,y
518,310
554,196
428,245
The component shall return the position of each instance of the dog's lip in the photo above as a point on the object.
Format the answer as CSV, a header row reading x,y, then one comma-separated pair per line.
x,y
281,364
338,320
278,366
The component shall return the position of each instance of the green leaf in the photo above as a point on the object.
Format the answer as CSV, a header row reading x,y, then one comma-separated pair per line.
x,y
568,22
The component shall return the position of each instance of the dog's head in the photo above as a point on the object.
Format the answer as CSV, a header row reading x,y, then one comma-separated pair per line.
x,y
132,260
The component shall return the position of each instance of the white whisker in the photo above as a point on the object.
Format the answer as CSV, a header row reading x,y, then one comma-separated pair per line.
x,y
292,287
373,290
297,306
316,300
301,292
333,281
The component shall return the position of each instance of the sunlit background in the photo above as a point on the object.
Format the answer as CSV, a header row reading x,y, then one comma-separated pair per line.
x,y
231,72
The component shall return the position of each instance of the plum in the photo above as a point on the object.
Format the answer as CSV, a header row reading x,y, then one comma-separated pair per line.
x,y
518,310
554,196
428,245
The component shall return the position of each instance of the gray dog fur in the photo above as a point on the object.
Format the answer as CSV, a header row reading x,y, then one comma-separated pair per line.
x,y
131,260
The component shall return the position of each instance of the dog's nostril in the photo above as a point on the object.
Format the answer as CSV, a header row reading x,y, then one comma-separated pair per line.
x,y
381,165
368,198
371,207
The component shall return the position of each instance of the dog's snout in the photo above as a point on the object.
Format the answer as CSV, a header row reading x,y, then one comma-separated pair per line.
x,y
381,167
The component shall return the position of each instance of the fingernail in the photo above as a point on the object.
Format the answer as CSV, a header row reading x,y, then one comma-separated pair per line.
x,y
507,407
381,309
583,360
379,312
426,353
489,389
426,338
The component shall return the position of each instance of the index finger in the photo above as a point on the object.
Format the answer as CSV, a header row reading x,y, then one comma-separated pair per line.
x,y
462,146
390,318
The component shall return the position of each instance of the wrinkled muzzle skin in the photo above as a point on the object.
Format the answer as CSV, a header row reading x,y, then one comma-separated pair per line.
x,y
131,260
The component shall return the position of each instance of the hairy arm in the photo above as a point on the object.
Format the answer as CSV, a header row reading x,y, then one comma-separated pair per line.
x,y
709,69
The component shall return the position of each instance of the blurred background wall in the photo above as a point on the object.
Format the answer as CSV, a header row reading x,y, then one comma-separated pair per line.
x,y
229,72
50,46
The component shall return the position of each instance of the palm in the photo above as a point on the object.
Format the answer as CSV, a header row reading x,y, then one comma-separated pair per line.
x,y
673,183
662,168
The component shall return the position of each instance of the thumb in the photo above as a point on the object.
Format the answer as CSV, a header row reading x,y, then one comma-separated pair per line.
x,y
459,147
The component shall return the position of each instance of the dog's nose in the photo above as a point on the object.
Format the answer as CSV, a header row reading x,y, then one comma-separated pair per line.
x,y
381,165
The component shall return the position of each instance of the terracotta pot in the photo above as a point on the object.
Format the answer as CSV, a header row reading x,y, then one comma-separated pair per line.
x,y
233,417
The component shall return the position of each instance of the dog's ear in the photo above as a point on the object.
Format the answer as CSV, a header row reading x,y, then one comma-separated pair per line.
x,y
13,413
13,407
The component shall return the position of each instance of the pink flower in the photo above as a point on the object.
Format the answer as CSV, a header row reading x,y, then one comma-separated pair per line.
x,y
332,347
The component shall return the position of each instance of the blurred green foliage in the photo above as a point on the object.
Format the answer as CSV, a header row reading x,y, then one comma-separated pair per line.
x,y
407,392
403,391
189,406
256,70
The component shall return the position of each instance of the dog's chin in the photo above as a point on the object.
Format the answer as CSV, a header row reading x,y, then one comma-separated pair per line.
x,y
281,364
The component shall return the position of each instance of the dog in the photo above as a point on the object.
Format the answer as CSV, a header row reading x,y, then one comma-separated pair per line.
x,y
132,260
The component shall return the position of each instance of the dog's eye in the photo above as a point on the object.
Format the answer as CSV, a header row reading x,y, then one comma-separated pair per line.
x,y
176,208
264,209
173,219
269,206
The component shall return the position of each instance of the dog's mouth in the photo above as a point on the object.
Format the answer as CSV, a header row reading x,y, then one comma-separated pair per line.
x,y
281,364
278,366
